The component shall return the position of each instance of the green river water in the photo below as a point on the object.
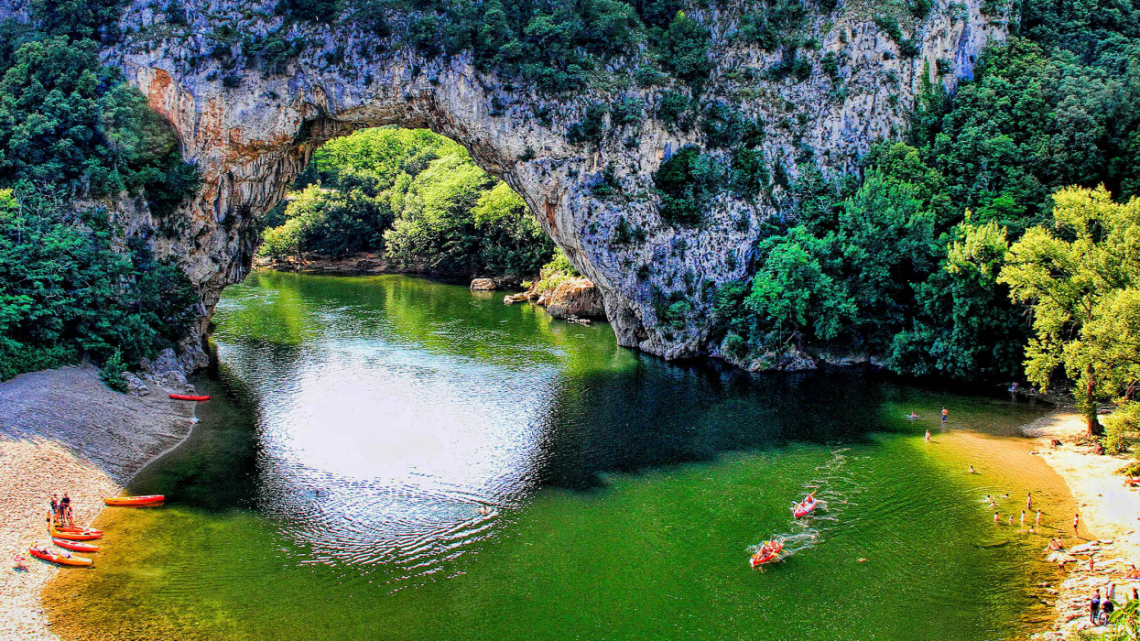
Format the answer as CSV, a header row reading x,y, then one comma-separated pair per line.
x,y
392,458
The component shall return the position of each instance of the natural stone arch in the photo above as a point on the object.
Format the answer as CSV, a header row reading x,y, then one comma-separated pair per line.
x,y
251,133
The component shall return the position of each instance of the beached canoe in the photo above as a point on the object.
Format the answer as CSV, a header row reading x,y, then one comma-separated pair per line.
x,y
189,397
59,558
74,536
76,528
75,546
134,501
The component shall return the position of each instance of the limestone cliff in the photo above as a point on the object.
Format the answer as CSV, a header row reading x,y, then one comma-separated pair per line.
x,y
250,131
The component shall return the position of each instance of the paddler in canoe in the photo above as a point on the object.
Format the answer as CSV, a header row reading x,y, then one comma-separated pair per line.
x,y
768,553
805,506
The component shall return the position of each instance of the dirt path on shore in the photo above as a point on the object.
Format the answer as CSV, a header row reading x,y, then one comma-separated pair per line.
x,y
1110,517
64,430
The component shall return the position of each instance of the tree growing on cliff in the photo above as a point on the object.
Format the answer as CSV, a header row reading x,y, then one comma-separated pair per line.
x,y
1082,281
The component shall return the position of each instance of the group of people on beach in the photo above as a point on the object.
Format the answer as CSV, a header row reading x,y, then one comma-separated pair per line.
x,y
61,511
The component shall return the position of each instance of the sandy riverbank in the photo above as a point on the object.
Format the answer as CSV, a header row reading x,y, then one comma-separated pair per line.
x,y
1110,516
64,430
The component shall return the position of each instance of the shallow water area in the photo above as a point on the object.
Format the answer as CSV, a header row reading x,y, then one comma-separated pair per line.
x,y
394,458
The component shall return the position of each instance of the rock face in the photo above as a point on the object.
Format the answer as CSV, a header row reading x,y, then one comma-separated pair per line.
x,y
576,297
483,285
251,131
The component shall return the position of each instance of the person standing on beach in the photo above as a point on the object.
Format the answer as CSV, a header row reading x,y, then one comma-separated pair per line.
x,y
54,508
945,414
1076,523
1094,607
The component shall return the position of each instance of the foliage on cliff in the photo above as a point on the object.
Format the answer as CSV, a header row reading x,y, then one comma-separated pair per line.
x,y
892,264
67,290
416,195
72,133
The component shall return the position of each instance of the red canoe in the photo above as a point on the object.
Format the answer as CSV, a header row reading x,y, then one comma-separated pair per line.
x,y
77,529
189,397
74,536
75,547
131,501
59,558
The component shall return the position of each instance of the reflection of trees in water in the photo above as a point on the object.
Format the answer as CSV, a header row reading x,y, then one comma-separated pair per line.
x,y
216,469
663,414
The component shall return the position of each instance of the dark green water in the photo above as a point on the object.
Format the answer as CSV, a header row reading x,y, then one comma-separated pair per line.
x,y
333,489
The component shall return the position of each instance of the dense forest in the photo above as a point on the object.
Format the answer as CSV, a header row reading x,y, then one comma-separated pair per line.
x,y
73,134
902,261
416,196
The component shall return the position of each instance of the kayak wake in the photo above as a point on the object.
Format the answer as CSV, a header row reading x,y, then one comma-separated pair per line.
x,y
832,490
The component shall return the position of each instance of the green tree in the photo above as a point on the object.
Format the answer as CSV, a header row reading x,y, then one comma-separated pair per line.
x,y
1080,278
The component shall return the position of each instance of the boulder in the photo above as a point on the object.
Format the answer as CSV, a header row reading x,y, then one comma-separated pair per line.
x,y
575,297
482,285
135,386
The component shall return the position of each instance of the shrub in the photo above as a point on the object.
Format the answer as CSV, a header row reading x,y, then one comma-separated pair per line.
x,y
112,372
686,182
592,127
685,49
1122,428
674,110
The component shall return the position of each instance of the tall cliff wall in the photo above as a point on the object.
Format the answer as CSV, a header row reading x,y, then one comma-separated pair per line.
x,y
251,132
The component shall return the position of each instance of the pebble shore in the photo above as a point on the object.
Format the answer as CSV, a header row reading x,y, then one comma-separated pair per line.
x,y
64,430
1110,531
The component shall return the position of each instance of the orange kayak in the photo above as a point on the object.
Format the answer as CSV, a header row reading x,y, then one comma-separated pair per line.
x,y
76,528
75,536
130,501
74,546
189,397
59,558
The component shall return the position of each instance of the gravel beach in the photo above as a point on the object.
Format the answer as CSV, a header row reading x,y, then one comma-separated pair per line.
x,y
1110,522
64,430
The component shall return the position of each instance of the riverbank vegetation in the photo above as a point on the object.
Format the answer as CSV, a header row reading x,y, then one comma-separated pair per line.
x,y
75,139
414,195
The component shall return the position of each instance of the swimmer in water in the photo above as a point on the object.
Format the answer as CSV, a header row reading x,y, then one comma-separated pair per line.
x,y
1038,518
1023,518
972,470
912,416
1011,519
927,436
1005,496
996,518
1029,501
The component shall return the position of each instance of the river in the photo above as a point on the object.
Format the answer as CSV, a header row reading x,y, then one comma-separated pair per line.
x,y
393,458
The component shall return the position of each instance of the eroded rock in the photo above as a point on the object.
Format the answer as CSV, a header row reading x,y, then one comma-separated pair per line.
x,y
575,298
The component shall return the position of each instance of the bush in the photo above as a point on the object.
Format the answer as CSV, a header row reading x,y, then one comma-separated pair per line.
x,y
112,372
685,49
1122,428
592,127
686,183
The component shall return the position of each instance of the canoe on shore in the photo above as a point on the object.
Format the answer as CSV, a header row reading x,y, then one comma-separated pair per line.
x,y
75,546
134,501
189,397
76,528
59,558
74,536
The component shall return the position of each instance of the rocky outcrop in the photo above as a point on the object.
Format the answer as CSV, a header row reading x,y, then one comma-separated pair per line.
x,y
575,298
483,285
251,129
